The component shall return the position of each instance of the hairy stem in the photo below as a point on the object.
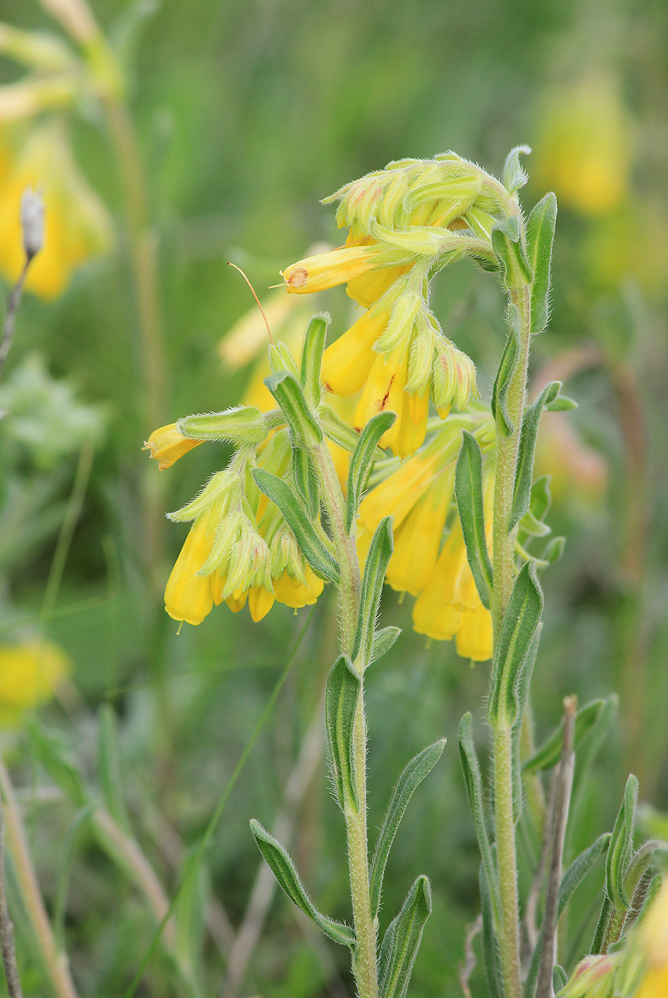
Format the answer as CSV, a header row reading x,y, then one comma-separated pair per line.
x,y
365,963
504,577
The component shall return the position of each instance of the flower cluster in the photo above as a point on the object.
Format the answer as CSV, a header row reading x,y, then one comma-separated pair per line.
x,y
418,495
406,223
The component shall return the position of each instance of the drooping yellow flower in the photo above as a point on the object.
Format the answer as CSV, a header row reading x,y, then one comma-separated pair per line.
x,y
77,224
29,675
167,445
188,595
326,270
418,538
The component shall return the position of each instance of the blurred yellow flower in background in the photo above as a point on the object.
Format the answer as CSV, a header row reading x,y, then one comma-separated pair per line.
x,y
29,675
654,940
583,147
77,224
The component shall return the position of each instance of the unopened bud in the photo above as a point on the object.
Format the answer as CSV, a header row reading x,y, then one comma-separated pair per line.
x,y
32,222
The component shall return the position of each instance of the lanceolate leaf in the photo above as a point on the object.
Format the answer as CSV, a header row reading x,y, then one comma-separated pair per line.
x,y
621,847
410,779
514,175
377,561
317,555
402,941
522,686
288,393
287,876
529,432
474,791
305,479
510,253
540,236
519,626
314,344
383,641
341,703
337,430
468,491
506,370
549,754
361,459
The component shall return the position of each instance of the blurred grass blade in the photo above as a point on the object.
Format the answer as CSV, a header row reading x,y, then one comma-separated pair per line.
x,y
220,807
53,756
65,871
284,871
110,767
410,779
469,495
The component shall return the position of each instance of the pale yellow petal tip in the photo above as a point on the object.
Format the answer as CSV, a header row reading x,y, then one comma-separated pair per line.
x,y
167,445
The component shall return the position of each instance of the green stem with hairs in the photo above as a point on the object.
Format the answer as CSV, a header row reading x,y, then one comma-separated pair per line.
x,y
504,577
365,962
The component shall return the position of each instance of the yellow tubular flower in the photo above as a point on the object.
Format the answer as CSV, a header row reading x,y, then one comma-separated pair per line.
x,y
367,289
167,445
77,224
384,391
29,675
189,596
260,602
475,636
326,270
347,363
418,538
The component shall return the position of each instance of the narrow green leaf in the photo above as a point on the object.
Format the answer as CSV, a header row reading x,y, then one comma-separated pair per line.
x,y
559,978
404,935
570,881
468,492
377,561
554,550
540,236
507,244
383,641
337,430
306,481
527,447
517,632
314,345
54,757
535,528
514,175
601,930
288,393
638,865
591,745
66,864
562,404
342,697
621,847
474,792
521,697
317,555
361,460
549,754
411,778
110,767
490,950
506,370
284,871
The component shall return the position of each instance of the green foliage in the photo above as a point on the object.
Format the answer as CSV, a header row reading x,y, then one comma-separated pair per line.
x,y
360,463
342,700
373,579
468,491
402,941
540,237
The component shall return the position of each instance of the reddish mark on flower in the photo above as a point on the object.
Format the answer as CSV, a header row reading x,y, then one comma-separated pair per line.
x,y
387,394
298,278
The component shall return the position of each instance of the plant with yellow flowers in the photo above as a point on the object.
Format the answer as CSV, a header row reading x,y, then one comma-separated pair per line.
x,y
436,496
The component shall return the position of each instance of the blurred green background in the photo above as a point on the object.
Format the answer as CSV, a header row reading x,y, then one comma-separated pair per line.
x,y
247,115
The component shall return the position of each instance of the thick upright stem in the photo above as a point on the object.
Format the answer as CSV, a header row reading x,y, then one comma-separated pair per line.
x,y
365,963
504,573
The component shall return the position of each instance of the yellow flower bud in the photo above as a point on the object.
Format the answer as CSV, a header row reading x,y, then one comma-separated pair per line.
x,y
260,602
292,592
167,445
29,675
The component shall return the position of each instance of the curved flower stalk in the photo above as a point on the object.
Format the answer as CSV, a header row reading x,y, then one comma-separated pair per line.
x,y
406,223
